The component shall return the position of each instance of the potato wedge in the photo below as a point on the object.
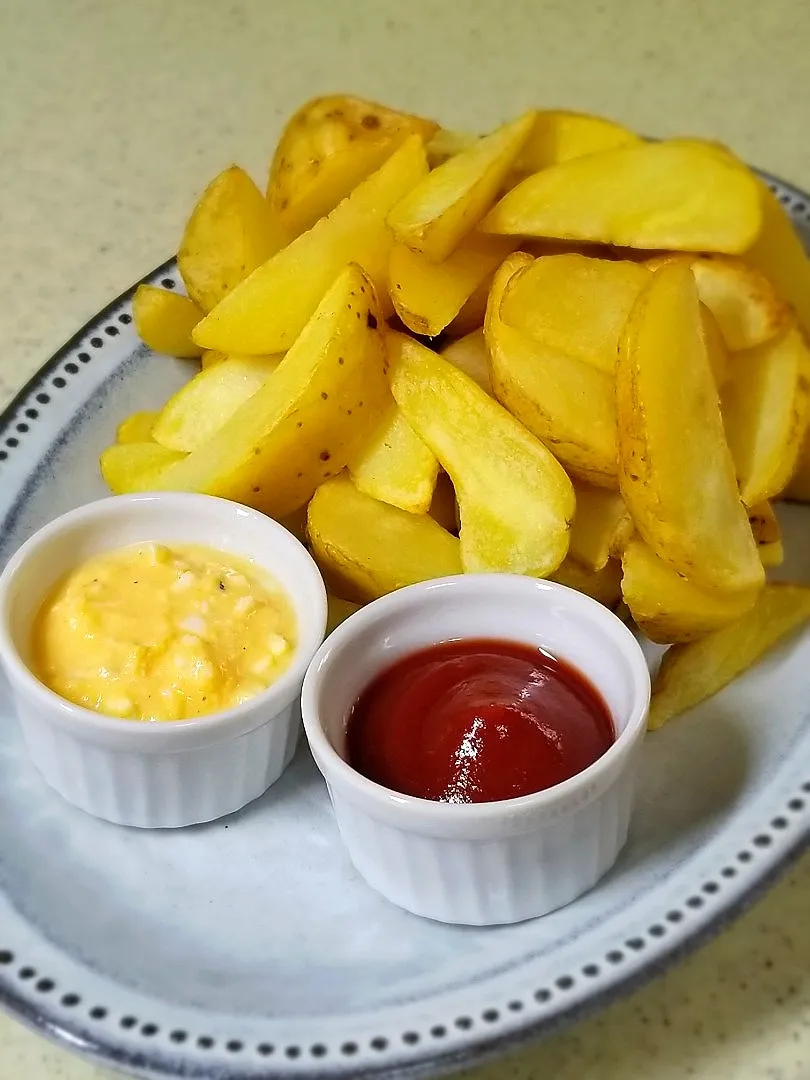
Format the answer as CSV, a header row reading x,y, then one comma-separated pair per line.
x,y
268,310
135,466
575,305
568,404
338,611
765,411
328,147
691,673
743,301
599,527
799,486
559,136
136,428
427,295
603,585
514,498
367,548
230,233
767,534
669,608
779,253
435,216
670,195
164,321
470,355
310,417
675,468
395,466
205,404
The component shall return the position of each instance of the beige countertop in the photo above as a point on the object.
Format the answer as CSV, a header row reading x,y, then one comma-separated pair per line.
x,y
113,116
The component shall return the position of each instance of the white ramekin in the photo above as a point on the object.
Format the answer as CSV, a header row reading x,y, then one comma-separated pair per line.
x,y
158,775
484,863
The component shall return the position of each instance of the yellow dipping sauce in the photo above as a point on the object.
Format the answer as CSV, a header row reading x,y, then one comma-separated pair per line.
x,y
163,633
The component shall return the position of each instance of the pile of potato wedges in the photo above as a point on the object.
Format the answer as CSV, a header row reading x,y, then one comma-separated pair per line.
x,y
557,349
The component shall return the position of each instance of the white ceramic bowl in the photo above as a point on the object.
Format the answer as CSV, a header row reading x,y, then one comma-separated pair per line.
x,y
483,863
158,775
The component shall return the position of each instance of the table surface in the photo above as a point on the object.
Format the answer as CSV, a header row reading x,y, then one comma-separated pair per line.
x,y
113,116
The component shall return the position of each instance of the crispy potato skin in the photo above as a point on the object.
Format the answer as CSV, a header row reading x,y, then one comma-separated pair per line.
x,y
675,468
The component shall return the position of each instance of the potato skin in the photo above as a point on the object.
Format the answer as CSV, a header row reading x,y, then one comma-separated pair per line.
x,y
310,416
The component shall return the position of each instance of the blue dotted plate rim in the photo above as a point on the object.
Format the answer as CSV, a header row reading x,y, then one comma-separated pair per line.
x,y
430,1059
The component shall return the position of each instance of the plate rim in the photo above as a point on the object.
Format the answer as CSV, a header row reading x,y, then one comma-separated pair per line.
x,y
94,1047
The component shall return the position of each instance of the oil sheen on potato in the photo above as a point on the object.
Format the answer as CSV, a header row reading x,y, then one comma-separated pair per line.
x,y
150,632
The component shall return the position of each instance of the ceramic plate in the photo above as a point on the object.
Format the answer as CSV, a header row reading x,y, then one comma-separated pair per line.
x,y
249,947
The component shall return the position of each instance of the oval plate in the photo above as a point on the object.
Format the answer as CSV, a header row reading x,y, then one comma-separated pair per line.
x,y
249,947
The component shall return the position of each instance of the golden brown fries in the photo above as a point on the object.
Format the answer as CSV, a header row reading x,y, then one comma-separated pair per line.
x,y
164,320
515,501
326,149
556,348
669,195
230,233
268,310
690,673
677,474
367,548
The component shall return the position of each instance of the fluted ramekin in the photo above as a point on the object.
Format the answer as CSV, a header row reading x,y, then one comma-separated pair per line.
x,y
481,863
167,774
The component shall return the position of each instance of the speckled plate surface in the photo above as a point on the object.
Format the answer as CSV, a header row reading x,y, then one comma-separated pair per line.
x,y
249,947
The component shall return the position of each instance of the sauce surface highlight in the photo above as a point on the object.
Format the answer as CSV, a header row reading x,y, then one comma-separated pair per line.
x,y
150,632
477,721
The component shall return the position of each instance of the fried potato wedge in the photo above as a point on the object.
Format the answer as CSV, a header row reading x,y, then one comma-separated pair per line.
x,y
136,428
575,304
676,471
515,500
230,233
268,310
745,304
599,528
328,147
309,418
427,295
569,404
691,673
674,196
767,534
799,486
669,608
164,321
559,136
366,548
779,253
338,611
135,466
470,355
205,404
603,585
435,216
765,411
395,466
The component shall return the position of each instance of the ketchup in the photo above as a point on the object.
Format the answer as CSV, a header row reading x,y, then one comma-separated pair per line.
x,y
477,721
